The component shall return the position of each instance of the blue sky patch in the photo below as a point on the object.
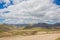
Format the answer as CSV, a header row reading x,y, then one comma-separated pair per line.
x,y
1,19
57,2
2,5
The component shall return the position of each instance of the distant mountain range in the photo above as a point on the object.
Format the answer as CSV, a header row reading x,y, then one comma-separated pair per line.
x,y
7,27
45,25
42,25
38,24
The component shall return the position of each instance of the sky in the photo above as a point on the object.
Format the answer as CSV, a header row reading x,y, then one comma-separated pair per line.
x,y
29,11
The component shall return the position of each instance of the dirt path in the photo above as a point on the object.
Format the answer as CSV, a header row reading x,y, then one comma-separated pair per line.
x,y
33,37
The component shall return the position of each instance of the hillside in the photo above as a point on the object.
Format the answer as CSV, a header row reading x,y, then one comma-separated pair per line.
x,y
45,25
27,29
41,25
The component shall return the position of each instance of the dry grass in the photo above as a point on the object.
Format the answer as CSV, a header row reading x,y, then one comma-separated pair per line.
x,y
11,31
27,32
17,32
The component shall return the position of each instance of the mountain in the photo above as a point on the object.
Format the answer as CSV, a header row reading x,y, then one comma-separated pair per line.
x,y
7,27
45,25
42,25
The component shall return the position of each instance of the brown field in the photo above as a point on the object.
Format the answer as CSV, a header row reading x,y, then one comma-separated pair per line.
x,y
34,37
22,33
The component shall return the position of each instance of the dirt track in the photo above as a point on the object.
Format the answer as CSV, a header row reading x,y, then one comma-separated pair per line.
x,y
33,37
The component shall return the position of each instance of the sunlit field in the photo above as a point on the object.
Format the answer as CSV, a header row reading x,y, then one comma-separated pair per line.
x,y
6,31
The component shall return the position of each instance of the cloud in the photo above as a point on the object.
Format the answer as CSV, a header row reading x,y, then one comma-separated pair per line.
x,y
31,11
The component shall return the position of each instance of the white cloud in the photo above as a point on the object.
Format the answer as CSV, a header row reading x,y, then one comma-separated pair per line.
x,y
31,11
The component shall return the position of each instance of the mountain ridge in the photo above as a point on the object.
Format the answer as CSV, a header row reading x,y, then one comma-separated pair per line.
x,y
42,25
